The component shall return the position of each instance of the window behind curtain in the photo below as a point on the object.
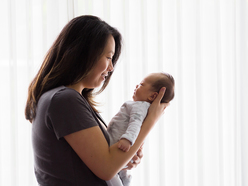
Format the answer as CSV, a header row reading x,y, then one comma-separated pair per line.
x,y
202,137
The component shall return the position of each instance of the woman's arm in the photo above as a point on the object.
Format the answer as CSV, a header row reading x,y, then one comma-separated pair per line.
x,y
104,161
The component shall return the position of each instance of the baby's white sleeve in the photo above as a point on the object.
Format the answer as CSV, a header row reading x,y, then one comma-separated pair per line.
x,y
138,113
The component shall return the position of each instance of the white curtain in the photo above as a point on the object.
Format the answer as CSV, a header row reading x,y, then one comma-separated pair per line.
x,y
202,139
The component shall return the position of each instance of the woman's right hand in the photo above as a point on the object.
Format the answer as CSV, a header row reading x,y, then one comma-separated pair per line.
x,y
156,109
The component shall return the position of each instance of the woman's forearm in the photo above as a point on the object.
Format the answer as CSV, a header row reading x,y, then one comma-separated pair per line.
x,y
119,159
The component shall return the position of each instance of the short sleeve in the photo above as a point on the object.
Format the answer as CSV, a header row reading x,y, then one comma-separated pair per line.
x,y
69,112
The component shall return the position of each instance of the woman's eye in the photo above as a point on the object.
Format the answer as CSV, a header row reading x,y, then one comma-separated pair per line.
x,y
109,58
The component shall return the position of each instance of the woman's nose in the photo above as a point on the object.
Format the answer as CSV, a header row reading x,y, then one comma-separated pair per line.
x,y
110,67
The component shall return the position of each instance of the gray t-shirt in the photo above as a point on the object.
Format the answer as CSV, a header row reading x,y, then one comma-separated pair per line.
x,y
62,111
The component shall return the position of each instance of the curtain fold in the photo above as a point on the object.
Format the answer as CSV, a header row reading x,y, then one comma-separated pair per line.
x,y
202,138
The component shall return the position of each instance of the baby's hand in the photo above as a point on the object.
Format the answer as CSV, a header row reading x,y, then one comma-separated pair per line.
x,y
124,144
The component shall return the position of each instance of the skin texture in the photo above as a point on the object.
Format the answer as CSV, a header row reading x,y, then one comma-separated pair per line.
x,y
91,145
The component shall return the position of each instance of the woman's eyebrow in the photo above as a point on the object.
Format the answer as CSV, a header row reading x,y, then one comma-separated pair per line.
x,y
111,52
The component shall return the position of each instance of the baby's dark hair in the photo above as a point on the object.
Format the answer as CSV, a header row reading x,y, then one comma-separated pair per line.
x,y
167,81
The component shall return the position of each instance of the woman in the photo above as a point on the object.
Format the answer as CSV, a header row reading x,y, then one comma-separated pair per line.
x,y
70,142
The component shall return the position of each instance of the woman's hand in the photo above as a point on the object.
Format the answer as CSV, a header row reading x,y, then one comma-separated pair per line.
x,y
156,109
136,159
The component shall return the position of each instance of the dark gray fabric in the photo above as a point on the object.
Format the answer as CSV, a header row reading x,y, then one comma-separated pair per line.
x,y
60,112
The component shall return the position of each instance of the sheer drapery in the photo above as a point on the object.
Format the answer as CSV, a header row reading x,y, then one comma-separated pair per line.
x,y
202,138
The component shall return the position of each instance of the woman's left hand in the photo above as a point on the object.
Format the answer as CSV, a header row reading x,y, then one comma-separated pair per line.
x,y
136,159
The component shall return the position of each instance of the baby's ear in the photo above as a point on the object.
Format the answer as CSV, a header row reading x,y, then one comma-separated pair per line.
x,y
153,96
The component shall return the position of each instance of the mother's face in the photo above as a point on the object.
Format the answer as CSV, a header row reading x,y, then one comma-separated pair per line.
x,y
103,66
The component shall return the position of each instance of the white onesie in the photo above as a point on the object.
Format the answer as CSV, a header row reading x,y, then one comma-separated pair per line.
x,y
126,124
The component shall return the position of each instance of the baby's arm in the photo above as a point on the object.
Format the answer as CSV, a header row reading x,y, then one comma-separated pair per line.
x,y
124,144
137,113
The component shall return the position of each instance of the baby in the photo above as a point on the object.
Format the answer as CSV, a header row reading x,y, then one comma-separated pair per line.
x,y
125,125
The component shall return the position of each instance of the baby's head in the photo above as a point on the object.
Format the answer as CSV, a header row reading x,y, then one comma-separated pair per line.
x,y
149,87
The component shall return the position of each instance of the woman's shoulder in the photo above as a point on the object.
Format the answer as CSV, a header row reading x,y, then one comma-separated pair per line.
x,y
68,95
63,92
60,91
63,96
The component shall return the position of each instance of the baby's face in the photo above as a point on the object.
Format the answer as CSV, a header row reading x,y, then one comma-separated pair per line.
x,y
144,90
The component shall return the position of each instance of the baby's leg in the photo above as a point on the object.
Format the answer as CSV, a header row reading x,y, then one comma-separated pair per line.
x,y
115,181
125,177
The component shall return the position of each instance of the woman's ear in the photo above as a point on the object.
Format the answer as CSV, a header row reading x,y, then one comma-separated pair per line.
x,y
153,96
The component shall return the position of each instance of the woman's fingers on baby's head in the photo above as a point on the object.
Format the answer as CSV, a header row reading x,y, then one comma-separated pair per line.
x,y
161,94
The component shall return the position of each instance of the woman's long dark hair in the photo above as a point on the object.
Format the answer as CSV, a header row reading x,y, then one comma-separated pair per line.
x,y
71,57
